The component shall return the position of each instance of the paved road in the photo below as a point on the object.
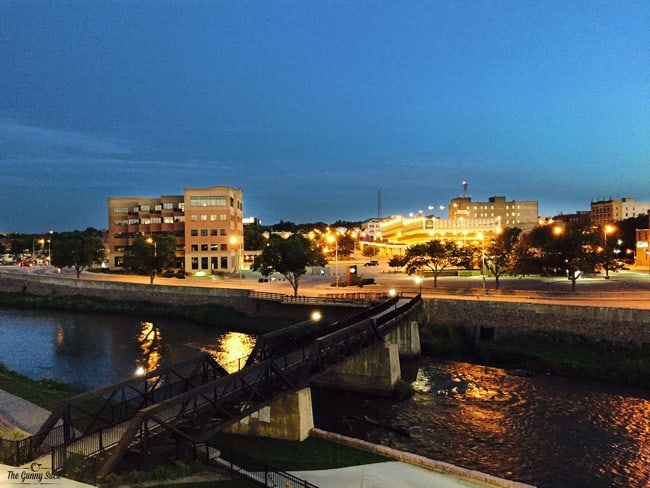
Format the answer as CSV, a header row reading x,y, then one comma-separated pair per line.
x,y
625,289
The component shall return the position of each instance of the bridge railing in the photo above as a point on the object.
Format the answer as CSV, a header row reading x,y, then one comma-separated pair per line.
x,y
275,343
357,299
254,469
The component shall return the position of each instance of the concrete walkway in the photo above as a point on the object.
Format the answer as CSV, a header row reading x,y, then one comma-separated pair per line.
x,y
21,413
392,474
29,418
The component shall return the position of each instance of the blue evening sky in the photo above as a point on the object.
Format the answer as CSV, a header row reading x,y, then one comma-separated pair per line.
x,y
313,106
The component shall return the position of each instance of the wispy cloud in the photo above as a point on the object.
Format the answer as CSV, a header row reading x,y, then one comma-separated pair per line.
x,y
36,139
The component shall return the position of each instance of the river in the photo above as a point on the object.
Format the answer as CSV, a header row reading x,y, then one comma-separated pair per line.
x,y
538,429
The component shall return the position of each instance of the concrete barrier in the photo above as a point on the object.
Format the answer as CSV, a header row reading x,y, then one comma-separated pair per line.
x,y
512,317
416,460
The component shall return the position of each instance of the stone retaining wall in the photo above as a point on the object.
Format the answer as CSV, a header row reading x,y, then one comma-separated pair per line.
x,y
234,298
615,324
113,290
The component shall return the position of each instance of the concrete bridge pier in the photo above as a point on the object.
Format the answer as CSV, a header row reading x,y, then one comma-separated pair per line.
x,y
407,338
289,417
374,370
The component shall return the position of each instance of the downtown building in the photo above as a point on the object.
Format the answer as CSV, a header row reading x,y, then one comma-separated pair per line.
x,y
207,223
614,210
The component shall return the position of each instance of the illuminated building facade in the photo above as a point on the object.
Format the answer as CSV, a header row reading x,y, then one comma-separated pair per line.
x,y
207,223
407,231
522,214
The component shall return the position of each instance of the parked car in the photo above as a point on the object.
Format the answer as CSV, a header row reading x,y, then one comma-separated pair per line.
x,y
372,262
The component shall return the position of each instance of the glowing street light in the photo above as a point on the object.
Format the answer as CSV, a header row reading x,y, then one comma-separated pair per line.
x,y
151,240
608,229
482,237
333,238
418,281
234,241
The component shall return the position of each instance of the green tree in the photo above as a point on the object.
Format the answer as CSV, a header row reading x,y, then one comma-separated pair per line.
x,y
398,261
576,248
435,256
536,252
571,250
151,254
78,250
370,251
346,245
254,237
289,257
499,254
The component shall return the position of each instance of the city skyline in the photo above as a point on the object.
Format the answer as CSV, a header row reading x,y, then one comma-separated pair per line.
x,y
312,108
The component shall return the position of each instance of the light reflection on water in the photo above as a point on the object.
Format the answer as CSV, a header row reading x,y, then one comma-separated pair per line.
x,y
150,343
230,350
542,430
95,350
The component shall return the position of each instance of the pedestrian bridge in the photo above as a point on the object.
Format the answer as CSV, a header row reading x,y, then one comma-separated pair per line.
x,y
173,411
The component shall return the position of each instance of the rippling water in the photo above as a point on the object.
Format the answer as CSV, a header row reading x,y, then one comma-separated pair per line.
x,y
542,430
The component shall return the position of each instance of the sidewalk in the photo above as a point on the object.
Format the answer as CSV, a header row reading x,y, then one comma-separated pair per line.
x,y
22,413
27,417
392,474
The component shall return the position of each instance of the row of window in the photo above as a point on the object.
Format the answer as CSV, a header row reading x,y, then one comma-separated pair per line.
x,y
204,217
210,201
213,262
149,220
147,208
133,235
206,232
485,207
508,214
208,247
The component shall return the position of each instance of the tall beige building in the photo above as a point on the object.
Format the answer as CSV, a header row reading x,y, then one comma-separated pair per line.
x,y
207,223
523,214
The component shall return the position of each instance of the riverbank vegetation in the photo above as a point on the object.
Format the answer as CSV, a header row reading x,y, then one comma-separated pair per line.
x,y
558,353
571,355
44,393
209,315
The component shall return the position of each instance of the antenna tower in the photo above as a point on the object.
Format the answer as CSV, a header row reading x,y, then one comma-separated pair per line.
x,y
379,204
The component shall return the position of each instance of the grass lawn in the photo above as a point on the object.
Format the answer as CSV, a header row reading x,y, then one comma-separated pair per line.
x,y
311,454
44,393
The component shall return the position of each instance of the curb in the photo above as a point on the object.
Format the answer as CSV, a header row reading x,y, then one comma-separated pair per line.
x,y
417,460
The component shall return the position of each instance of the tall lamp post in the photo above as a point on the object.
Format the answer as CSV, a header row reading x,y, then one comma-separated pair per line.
x,y
234,241
482,237
49,247
332,238
607,229
151,240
